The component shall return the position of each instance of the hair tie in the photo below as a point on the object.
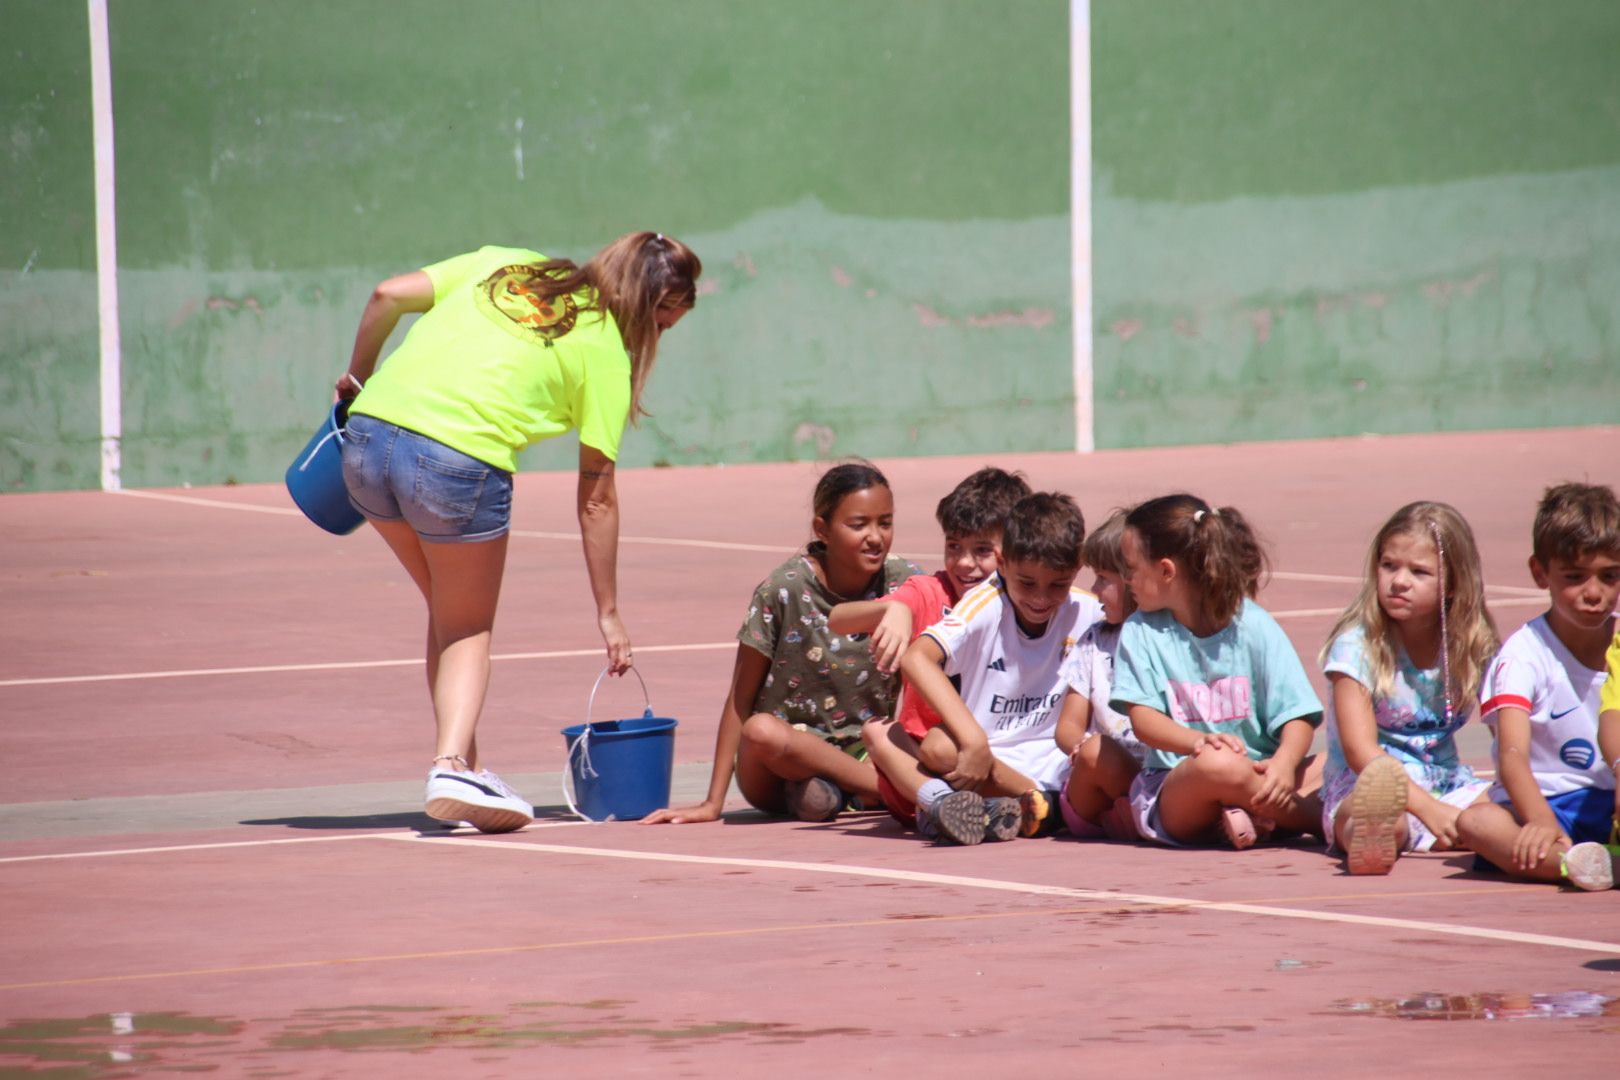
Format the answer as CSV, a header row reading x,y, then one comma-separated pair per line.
x,y
658,237
1199,515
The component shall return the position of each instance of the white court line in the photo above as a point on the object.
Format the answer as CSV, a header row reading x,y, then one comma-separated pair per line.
x,y
552,654
1094,895
347,665
920,877
110,852
723,545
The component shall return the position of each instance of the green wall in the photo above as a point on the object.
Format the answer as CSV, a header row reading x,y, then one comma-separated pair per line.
x,y
50,411
1381,216
1309,218
878,191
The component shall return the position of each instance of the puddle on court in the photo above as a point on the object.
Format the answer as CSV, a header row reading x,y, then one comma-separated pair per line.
x,y
1565,1005
124,1044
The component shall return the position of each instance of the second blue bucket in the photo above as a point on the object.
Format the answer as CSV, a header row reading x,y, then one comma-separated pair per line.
x,y
315,478
619,769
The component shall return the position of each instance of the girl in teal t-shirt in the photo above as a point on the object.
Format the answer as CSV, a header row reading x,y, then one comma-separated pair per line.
x,y
1211,683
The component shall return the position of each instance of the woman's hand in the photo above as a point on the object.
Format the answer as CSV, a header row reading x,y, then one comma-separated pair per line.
x,y
347,388
618,643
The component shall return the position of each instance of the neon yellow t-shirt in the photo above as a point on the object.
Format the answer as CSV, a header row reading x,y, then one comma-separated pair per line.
x,y
489,369
1609,696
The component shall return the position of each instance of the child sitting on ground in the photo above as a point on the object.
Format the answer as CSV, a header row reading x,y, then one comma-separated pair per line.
x,y
1211,683
790,727
1553,804
1006,641
1404,660
1104,753
972,517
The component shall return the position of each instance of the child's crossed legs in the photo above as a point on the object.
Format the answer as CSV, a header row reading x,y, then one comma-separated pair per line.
x,y
1199,789
773,752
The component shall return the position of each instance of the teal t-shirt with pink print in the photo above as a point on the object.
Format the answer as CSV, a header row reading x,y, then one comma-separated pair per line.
x,y
1244,680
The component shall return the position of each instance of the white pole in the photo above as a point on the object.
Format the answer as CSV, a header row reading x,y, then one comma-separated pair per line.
x,y
1080,217
112,399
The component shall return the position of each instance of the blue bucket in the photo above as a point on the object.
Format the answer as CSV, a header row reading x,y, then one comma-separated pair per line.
x,y
619,769
315,478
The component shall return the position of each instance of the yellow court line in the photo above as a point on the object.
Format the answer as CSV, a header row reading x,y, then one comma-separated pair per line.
x,y
500,950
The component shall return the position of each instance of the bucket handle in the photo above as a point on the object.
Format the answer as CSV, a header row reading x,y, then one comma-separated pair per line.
x,y
591,704
335,432
582,747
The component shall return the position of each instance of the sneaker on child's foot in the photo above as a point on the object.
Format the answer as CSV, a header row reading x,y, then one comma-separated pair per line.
x,y
814,799
480,799
1238,827
1003,818
1377,804
1038,813
1588,866
959,817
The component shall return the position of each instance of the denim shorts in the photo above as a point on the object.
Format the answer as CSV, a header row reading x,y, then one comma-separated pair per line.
x,y
394,474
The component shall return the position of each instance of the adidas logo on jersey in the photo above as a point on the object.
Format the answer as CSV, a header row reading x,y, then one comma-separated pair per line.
x,y
998,664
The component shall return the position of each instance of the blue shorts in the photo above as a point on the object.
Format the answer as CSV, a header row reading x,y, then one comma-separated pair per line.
x,y
394,474
1586,814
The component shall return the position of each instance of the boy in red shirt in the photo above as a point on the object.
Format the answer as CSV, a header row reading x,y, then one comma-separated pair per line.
x,y
972,518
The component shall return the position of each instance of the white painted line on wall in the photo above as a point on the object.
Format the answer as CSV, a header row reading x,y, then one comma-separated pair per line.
x,y
112,390
1080,219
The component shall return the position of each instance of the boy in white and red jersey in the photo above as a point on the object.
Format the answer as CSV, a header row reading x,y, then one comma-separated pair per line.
x,y
994,763
1553,805
972,517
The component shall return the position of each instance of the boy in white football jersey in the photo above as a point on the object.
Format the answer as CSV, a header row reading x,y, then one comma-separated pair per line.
x,y
1552,807
997,766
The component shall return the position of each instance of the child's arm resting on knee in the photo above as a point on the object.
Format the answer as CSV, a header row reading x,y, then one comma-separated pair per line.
x,y
746,679
1153,728
1279,773
924,665
888,621
1541,832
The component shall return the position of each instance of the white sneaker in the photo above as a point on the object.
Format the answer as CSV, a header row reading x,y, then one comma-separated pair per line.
x,y
480,799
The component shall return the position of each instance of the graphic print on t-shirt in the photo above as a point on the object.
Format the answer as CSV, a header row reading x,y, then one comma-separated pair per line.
x,y
512,299
1223,701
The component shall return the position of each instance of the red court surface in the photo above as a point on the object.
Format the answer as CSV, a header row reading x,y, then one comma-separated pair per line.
x,y
213,857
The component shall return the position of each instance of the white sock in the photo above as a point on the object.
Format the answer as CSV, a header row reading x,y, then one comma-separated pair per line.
x,y
931,792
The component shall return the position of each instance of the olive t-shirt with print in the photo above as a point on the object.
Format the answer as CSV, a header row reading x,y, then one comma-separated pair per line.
x,y
824,682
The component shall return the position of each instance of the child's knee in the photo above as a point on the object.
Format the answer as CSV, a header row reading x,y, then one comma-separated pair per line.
x,y
876,731
1088,754
1474,823
937,752
765,736
1222,768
